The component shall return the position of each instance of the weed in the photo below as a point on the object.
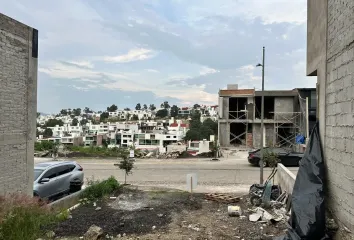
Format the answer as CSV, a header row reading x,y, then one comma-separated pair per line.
x,y
24,217
98,189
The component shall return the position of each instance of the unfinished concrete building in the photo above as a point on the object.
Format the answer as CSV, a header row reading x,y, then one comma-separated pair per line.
x,y
240,117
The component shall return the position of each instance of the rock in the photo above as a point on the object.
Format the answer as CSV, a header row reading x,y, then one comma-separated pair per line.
x,y
93,233
94,204
153,227
98,208
160,215
119,236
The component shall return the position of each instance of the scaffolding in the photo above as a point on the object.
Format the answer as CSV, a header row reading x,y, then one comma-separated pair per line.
x,y
239,117
287,125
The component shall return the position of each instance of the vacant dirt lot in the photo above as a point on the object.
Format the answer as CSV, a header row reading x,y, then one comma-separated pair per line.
x,y
164,214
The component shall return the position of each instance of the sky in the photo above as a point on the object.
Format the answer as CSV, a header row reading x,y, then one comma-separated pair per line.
x,y
98,53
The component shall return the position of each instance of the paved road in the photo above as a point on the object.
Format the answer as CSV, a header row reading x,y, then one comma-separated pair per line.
x,y
226,175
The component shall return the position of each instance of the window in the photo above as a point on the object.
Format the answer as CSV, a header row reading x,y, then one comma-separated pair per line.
x,y
51,173
63,170
174,136
168,136
313,101
37,173
195,145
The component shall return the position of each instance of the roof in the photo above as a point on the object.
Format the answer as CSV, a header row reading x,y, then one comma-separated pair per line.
x,y
174,125
278,93
45,165
234,92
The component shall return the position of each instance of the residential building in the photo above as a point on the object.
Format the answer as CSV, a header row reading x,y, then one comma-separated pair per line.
x,y
18,105
185,111
198,147
240,118
330,59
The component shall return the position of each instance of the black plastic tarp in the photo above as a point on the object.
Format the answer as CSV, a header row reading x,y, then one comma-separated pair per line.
x,y
307,218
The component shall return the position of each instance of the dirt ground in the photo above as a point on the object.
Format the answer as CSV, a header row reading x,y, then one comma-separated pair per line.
x,y
158,214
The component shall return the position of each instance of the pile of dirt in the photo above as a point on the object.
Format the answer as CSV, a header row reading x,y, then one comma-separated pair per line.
x,y
166,215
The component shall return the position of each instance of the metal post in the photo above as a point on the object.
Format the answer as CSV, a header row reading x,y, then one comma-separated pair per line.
x,y
262,121
307,119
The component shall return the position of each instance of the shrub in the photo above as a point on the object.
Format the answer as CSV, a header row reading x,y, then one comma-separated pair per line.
x,y
43,146
271,158
98,189
24,217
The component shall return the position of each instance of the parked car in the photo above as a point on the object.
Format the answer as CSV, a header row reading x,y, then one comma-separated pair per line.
x,y
52,179
287,158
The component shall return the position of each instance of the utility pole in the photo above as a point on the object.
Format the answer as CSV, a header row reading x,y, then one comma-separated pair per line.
x,y
262,120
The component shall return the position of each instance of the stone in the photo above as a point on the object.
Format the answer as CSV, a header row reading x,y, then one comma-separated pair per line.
x,y
234,211
93,233
98,208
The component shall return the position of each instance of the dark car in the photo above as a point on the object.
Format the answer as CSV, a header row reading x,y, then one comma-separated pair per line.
x,y
287,158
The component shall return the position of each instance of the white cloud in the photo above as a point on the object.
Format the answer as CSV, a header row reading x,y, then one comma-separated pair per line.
x,y
206,70
152,70
137,54
86,64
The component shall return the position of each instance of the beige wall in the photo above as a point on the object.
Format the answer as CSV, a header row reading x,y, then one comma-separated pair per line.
x,y
18,105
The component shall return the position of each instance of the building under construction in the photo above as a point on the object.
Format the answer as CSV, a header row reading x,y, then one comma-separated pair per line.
x,y
285,117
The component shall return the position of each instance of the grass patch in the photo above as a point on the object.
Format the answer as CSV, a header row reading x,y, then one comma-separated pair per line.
x,y
98,189
24,217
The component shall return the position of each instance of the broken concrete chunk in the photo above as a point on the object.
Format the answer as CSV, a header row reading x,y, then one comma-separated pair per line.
x,y
98,208
234,211
93,233
255,217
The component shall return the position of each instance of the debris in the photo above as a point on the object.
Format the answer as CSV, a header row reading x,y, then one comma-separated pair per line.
x,y
347,229
94,204
195,227
93,233
124,234
160,215
218,197
255,217
234,211
112,197
264,216
153,227
50,234
98,208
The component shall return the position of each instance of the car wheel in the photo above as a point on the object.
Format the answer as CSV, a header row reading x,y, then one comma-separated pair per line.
x,y
75,187
264,163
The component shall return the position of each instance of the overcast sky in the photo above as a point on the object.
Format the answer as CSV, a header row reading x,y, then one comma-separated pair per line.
x,y
96,53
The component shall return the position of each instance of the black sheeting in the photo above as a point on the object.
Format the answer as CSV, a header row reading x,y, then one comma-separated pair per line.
x,y
308,219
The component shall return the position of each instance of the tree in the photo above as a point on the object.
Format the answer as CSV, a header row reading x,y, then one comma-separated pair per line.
x,y
76,112
74,122
165,105
104,116
83,122
135,117
53,123
162,113
196,106
200,131
126,109
87,110
112,108
48,132
69,111
174,111
38,114
64,112
138,106
152,107
126,164
145,107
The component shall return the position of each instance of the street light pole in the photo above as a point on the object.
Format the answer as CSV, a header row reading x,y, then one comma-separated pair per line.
x,y
262,120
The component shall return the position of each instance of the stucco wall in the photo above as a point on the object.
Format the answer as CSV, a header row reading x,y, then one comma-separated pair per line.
x,y
18,105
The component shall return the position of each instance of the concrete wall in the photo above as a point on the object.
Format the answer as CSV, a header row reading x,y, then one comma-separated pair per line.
x,y
225,104
339,110
284,104
18,105
224,134
285,179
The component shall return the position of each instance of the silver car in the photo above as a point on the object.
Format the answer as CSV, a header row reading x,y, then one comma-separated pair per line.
x,y
52,179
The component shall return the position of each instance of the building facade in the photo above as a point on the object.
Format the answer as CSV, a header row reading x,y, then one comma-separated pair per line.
x,y
330,58
240,118
18,105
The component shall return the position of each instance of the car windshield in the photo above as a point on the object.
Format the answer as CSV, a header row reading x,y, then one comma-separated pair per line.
x,y
37,173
